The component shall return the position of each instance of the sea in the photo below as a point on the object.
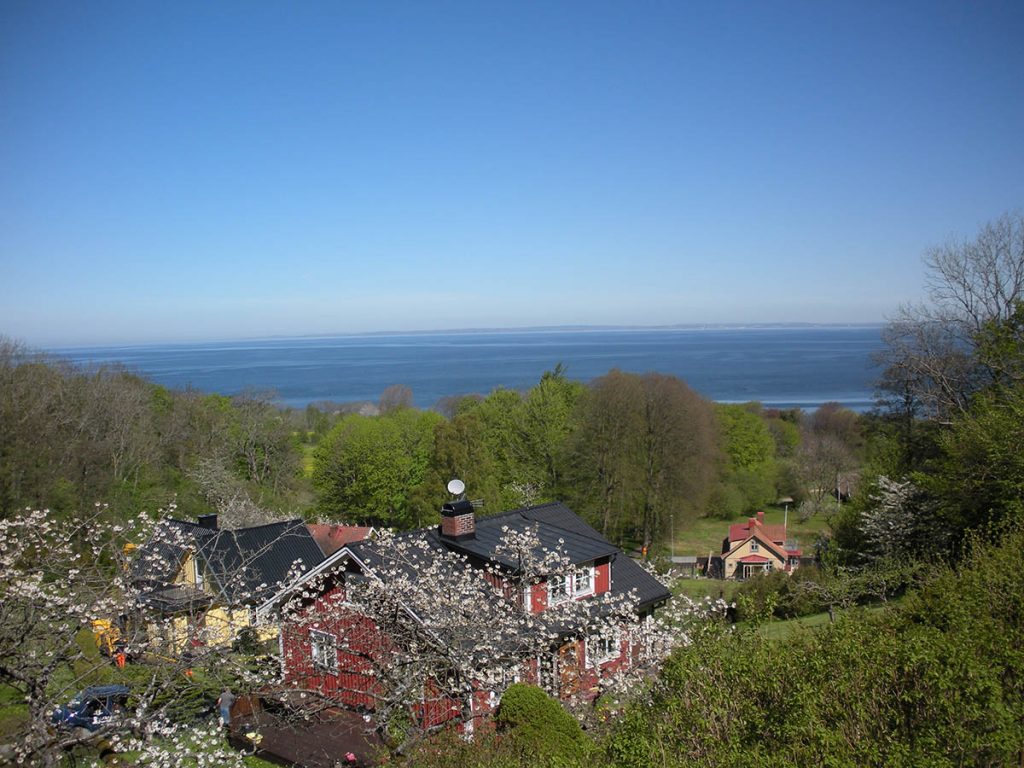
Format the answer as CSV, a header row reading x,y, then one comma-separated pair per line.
x,y
779,366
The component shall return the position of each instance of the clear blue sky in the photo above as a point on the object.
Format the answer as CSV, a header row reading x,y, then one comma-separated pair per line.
x,y
178,171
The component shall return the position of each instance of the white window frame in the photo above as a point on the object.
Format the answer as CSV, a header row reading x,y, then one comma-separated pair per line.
x,y
601,649
323,650
591,573
571,584
564,592
755,547
197,572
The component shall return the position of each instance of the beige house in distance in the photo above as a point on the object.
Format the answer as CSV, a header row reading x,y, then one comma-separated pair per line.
x,y
752,548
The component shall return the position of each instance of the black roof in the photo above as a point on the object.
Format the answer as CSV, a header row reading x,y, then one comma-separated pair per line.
x,y
557,528
245,565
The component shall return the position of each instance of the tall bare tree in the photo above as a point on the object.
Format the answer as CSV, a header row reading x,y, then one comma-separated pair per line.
x,y
929,361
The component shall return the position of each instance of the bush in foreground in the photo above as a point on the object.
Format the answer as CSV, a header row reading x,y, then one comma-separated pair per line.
x,y
937,681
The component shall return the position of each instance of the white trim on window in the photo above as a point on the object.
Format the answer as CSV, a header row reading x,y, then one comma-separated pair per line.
x,y
600,649
323,650
583,581
559,588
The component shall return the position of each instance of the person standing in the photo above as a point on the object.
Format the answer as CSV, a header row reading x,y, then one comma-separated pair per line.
x,y
225,701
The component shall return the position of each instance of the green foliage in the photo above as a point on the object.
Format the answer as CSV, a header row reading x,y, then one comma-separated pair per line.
x,y
752,470
747,441
935,681
540,727
727,502
980,478
368,468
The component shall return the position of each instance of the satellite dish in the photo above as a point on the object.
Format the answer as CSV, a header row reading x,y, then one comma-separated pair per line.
x,y
456,487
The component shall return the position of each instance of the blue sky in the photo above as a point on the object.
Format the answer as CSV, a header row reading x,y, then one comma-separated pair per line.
x,y
178,171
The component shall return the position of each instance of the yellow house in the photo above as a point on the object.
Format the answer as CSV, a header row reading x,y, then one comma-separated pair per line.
x,y
753,547
201,585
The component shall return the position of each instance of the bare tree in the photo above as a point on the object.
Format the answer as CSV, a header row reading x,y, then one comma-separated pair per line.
x,y
395,397
226,493
930,367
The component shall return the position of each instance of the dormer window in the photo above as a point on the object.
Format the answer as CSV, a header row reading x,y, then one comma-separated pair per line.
x,y
583,581
580,583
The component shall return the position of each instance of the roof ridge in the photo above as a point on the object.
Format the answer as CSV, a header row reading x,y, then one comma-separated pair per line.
x,y
264,525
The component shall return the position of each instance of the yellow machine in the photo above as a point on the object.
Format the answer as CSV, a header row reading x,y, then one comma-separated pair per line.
x,y
107,635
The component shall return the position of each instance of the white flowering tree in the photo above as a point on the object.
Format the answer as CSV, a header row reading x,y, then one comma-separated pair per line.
x,y
457,632
56,579
902,520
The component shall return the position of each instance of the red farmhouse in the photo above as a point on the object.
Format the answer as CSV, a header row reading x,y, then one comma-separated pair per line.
x,y
540,627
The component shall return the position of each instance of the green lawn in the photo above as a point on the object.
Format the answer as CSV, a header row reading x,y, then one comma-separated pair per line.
x,y
701,588
782,629
13,711
705,534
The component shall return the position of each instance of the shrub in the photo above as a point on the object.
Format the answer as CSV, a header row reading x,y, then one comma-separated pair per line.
x,y
935,681
541,727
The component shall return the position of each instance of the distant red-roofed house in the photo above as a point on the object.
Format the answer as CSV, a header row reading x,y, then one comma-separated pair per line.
x,y
331,538
752,548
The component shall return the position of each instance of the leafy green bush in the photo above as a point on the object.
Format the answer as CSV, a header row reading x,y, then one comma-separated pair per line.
x,y
727,502
541,727
937,680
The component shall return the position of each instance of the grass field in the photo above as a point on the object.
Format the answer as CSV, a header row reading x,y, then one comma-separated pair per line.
x,y
780,630
13,711
705,534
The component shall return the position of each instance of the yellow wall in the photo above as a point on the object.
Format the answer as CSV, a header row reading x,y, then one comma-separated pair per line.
x,y
221,623
221,626
732,561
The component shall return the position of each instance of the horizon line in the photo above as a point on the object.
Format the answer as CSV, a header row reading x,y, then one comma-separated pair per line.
x,y
578,327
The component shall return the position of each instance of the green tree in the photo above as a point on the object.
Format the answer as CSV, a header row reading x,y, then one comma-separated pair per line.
x,y
647,447
540,727
750,451
368,468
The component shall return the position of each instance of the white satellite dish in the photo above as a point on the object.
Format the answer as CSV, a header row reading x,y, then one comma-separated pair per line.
x,y
456,487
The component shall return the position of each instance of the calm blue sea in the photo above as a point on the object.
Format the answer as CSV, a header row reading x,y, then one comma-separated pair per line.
x,y
781,367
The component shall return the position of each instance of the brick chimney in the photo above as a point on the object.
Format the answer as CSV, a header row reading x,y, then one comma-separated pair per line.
x,y
760,517
208,521
458,521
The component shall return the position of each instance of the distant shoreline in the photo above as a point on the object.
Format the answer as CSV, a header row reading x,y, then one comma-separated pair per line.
x,y
57,349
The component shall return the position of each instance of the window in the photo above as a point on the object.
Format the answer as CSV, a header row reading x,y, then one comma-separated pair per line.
x,y
755,547
547,674
604,647
324,650
558,589
578,584
197,572
583,581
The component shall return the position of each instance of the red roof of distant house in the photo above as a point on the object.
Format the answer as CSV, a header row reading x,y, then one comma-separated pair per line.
x,y
794,552
331,538
753,559
740,531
